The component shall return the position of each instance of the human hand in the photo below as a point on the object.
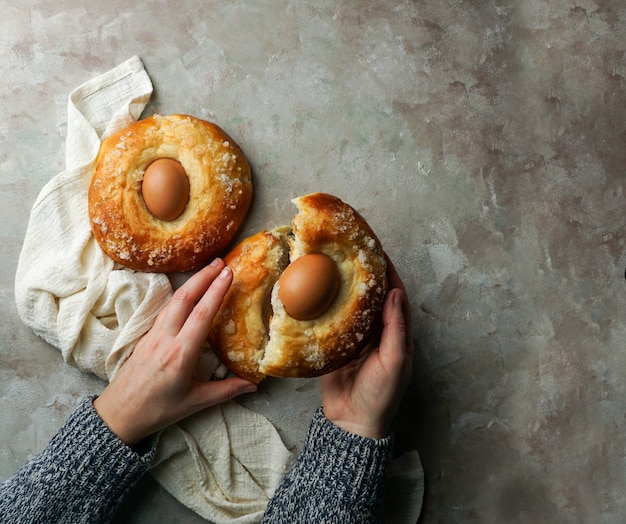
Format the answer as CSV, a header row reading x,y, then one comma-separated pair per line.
x,y
364,396
157,385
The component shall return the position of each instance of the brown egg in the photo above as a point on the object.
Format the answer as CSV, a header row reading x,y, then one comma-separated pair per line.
x,y
308,286
165,188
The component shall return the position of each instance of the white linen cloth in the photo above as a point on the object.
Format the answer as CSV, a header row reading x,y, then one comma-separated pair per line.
x,y
225,462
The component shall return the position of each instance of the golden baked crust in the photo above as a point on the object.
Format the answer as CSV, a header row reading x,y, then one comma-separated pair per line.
x,y
254,342
219,196
240,328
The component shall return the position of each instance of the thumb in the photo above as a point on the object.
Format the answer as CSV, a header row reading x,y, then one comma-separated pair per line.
x,y
393,336
217,391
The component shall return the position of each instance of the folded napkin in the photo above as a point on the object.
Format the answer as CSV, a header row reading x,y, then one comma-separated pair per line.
x,y
224,462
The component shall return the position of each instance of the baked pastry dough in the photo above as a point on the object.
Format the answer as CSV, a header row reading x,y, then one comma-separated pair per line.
x,y
254,336
220,192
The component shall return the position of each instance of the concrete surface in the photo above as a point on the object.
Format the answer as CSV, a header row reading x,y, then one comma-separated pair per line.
x,y
484,141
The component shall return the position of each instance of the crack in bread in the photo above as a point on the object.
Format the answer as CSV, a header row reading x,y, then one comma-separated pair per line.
x,y
254,347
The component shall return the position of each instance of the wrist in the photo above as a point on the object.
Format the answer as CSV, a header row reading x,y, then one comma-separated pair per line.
x,y
363,430
114,419
367,429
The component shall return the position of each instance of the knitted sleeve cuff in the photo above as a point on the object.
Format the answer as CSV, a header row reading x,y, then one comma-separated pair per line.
x,y
81,476
337,478
87,435
355,465
103,468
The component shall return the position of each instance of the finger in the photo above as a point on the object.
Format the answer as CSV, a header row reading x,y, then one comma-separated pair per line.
x,y
217,391
392,274
393,339
396,282
180,306
198,324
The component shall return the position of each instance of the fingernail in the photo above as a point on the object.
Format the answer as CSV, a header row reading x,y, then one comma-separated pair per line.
x,y
225,273
216,262
251,388
397,297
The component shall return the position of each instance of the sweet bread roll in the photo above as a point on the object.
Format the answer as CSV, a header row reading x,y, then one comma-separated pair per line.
x,y
198,199
255,336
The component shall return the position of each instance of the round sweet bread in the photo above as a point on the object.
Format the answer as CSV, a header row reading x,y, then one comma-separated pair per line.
x,y
255,336
217,198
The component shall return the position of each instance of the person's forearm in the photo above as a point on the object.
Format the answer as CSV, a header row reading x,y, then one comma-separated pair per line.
x,y
338,477
81,476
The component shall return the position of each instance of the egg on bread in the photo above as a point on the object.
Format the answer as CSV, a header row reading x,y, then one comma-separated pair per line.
x,y
168,193
305,299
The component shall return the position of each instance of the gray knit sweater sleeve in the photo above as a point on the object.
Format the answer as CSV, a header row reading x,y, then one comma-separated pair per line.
x,y
81,476
337,478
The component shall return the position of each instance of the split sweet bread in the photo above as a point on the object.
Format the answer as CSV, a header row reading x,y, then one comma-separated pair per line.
x,y
168,193
254,334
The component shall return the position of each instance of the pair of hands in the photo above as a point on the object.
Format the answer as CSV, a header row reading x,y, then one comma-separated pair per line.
x,y
157,386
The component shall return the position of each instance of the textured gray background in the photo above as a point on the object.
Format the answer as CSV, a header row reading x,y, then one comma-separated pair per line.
x,y
484,142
